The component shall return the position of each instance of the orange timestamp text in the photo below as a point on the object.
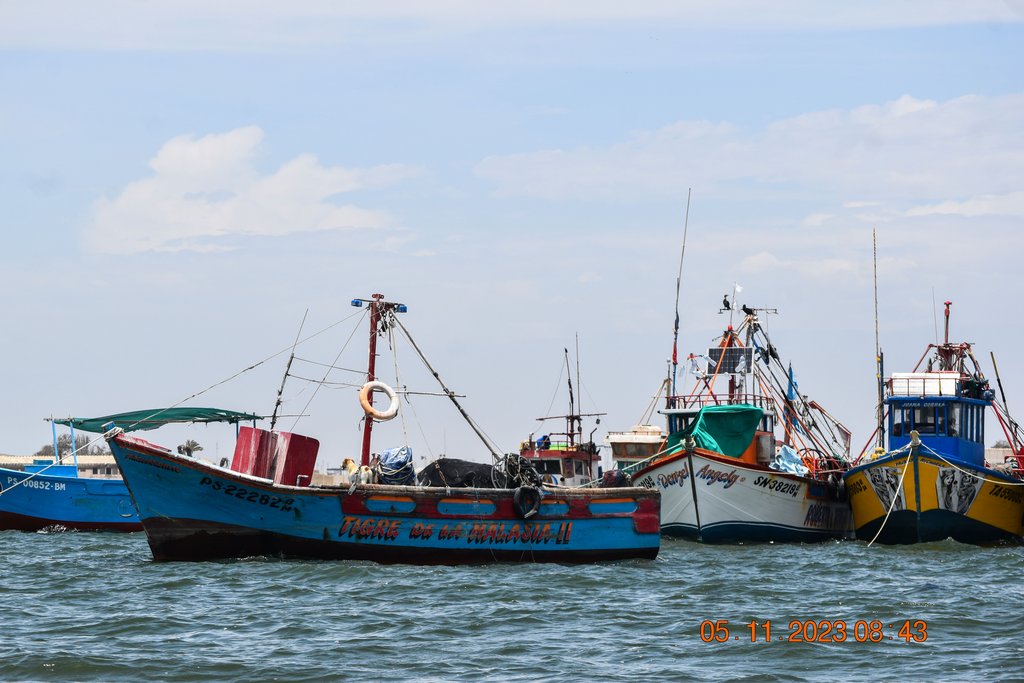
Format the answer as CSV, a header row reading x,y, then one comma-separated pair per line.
x,y
815,631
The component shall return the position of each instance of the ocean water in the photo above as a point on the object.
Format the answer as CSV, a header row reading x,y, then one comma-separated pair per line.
x,y
95,607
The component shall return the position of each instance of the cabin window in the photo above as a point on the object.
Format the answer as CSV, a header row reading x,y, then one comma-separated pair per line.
x,y
578,467
953,418
547,467
679,422
924,420
896,426
979,423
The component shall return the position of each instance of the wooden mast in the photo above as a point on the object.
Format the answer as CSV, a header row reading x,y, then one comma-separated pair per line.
x,y
371,365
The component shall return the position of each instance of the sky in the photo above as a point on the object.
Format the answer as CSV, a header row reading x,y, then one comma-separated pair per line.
x,y
190,187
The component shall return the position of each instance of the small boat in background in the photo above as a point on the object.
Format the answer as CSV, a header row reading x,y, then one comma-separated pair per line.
x,y
51,494
642,442
46,495
565,458
266,504
933,483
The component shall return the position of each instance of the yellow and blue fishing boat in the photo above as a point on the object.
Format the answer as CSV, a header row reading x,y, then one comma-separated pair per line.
x,y
934,483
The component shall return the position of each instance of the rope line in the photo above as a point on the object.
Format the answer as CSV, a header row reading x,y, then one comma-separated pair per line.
x,y
315,391
968,472
58,459
899,489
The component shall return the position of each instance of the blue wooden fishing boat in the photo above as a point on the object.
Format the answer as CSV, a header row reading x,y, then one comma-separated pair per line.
x,y
50,494
265,502
933,482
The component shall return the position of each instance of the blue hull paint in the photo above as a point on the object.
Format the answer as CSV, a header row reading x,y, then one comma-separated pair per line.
x,y
32,503
194,511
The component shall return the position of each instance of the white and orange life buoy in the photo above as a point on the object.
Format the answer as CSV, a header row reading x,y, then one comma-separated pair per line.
x,y
379,415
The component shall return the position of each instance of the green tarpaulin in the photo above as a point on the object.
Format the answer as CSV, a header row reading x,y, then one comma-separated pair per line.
x,y
151,419
722,429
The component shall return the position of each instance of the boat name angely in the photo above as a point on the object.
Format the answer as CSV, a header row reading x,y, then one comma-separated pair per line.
x,y
245,494
390,529
712,476
1006,493
778,485
34,484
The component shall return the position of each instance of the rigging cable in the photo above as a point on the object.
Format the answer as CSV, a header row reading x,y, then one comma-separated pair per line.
x,y
58,459
287,368
315,391
398,381
488,443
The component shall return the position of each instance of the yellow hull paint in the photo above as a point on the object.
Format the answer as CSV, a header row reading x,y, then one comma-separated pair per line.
x,y
938,494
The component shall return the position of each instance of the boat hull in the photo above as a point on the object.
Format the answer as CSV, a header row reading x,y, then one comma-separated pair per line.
x,y
32,502
721,500
937,500
192,510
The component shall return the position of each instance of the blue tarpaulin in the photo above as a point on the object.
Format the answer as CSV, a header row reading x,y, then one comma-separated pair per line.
x,y
786,460
396,467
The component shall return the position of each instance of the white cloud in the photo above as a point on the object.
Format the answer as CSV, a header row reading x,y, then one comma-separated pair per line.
x,y
814,269
901,153
1011,204
234,25
205,191
816,220
760,262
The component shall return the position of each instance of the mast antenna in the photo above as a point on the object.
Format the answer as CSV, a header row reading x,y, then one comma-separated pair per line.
x,y
880,410
679,278
287,368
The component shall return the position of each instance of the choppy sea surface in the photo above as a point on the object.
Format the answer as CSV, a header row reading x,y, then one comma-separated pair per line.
x,y
96,607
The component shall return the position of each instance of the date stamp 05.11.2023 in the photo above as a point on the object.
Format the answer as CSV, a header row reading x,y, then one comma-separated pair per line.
x,y
814,631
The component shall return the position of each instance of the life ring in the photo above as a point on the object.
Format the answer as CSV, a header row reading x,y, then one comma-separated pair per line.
x,y
526,501
379,415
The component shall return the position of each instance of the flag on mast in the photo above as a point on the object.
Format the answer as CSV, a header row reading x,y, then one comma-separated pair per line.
x,y
675,340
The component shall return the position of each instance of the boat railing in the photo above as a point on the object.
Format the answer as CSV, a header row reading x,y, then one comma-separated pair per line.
x,y
697,401
924,384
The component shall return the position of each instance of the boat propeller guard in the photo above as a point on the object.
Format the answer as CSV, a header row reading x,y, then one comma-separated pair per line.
x,y
379,415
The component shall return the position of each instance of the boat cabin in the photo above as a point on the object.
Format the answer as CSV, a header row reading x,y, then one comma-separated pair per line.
x,y
680,419
562,462
735,431
946,408
636,445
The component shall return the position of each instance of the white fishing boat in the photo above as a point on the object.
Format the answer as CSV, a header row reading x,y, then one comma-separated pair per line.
x,y
748,457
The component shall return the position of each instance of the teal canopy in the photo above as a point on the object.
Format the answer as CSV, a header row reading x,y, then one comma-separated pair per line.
x,y
725,429
151,419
